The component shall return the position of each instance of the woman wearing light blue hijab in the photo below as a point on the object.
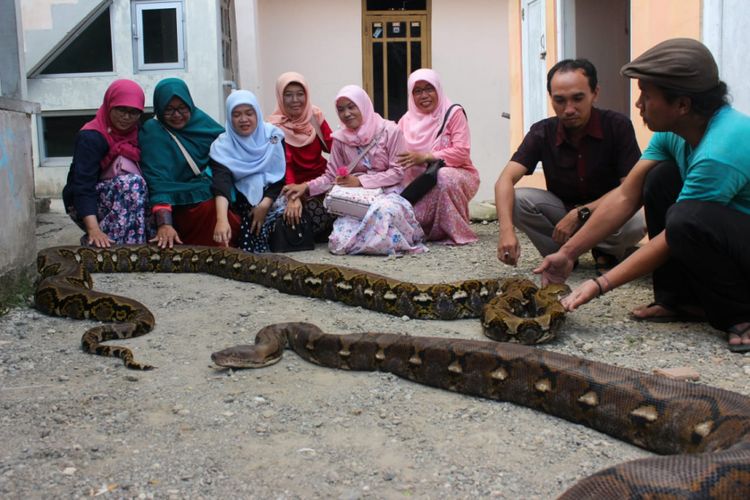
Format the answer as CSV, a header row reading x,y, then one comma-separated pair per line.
x,y
248,157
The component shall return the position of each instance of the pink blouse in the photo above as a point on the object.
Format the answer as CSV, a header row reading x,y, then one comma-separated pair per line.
x,y
454,146
383,172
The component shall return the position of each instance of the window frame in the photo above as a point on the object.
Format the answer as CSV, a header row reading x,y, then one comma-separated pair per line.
x,y
138,6
386,16
36,72
56,161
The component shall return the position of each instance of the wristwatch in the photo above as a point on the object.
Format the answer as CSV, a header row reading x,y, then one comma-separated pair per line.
x,y
583,214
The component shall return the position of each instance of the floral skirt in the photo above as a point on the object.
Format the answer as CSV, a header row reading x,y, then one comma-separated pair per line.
x,y
121,210
389,227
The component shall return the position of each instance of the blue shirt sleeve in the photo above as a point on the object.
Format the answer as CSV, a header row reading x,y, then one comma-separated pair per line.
x,y
658,148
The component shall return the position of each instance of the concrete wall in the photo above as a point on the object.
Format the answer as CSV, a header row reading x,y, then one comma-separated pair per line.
x,y
327,51
470,51
17,225
651,23
203,74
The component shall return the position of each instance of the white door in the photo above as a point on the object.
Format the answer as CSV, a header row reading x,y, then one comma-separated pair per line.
x,y
534,47
725,32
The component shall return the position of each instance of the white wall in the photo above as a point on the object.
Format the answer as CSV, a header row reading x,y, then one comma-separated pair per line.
x,y
470,51
321,39
203,74
725,32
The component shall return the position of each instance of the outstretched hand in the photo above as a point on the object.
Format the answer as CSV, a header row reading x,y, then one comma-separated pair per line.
x,y
582,294
555,268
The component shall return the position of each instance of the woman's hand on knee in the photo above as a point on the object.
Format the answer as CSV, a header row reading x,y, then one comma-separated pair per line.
x,y
294,191
293,212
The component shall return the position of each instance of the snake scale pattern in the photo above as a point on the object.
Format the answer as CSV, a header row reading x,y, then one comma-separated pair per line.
x,y
704,431
511,310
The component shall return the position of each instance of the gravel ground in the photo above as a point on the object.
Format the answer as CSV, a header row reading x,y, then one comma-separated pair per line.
x,y
76,425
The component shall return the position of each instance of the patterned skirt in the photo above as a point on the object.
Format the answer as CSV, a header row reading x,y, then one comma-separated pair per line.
x,y
121,210
389,227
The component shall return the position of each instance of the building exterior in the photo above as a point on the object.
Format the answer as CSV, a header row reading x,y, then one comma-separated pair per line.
x,y
493,56
76,48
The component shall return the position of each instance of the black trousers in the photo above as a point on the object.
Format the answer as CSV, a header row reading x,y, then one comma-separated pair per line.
x,y
709,247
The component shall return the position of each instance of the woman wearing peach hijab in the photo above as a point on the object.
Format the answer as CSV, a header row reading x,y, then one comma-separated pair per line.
x,y
307,136
434,129
389,226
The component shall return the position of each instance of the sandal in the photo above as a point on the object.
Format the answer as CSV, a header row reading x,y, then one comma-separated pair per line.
x,y
674,315
738,332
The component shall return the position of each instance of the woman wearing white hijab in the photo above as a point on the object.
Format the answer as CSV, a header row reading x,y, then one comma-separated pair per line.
x,y
249,156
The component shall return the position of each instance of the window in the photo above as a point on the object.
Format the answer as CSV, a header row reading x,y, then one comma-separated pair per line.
x,y
88,50
158,40
57,132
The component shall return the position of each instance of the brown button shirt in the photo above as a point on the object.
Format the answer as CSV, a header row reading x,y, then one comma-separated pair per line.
x,y
578,175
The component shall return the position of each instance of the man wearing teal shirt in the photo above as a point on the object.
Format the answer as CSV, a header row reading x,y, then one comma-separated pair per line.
x,y
694,182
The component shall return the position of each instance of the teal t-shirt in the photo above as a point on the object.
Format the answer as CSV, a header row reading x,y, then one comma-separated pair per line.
x,y
718,169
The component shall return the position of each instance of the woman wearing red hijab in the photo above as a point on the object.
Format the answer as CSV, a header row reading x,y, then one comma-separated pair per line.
x,y
105,193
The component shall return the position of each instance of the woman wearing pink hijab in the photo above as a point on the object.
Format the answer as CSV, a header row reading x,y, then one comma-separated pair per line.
x,y
105,193
389,225
435,129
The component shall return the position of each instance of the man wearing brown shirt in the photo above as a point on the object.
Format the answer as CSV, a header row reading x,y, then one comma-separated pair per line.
x,y
585,153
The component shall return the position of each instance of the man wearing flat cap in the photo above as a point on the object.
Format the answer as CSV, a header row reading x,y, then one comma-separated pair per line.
x,y
694,181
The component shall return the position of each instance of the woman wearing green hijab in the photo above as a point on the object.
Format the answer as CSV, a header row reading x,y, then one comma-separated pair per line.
x,y
174,156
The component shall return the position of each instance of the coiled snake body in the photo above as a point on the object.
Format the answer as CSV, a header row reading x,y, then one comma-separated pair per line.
x,y
705,430
512,310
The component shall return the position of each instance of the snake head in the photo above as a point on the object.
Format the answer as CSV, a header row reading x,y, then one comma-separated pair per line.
x,y
243,356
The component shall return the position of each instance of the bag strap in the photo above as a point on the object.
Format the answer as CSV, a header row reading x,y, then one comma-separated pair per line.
x,y
445,118
318,132
374,141
187,156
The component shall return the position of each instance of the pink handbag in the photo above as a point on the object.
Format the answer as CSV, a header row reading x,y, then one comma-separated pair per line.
x,y
120,166
352,201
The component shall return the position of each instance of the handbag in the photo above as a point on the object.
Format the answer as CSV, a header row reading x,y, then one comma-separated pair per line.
x,y
120,166
287,238
427,180
423,183
351,201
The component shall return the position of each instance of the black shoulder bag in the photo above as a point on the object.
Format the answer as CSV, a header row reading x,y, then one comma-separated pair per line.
x,y
428,179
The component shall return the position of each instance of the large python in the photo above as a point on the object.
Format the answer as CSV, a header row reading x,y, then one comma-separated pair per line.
x,y
705,430
511,310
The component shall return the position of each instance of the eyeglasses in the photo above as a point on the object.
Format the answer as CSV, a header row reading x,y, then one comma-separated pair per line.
x,y
423,90
129,112
182,111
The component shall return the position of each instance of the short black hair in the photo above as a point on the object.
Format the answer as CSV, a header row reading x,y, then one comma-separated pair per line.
x,y
705,103
571,65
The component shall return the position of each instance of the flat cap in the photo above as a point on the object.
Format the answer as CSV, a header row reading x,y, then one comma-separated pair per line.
x,y
681,64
